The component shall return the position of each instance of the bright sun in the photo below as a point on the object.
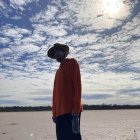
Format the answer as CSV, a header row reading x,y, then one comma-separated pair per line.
x,y
111,7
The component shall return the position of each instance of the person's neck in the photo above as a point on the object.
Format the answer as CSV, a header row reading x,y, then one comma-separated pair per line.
x,y
62,61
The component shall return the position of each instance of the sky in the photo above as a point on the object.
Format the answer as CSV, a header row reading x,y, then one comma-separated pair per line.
x,y
103,36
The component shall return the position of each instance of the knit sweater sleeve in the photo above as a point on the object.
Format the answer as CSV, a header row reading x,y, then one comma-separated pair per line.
x,y
76,80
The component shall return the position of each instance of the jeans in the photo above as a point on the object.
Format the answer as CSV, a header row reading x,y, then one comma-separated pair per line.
x,y
64,128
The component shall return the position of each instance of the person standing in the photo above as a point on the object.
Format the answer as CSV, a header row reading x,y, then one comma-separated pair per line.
x,y
66,101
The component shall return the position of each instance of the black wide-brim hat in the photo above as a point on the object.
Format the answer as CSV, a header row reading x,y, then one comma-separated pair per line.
x,y
64,47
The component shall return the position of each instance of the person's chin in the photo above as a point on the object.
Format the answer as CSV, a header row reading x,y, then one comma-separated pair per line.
x,y
58,60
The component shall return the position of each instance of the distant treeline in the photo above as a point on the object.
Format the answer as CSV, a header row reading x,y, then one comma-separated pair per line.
x,y
49,108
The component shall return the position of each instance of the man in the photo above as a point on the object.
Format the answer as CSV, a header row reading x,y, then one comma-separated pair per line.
x,y
66,102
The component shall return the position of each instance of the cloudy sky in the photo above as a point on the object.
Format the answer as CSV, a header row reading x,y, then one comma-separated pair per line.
x,y
103,35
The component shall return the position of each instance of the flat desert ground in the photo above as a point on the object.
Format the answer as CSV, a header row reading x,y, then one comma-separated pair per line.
x,y
95,125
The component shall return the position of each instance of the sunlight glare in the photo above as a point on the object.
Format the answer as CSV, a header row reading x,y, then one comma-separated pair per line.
x,y
111,7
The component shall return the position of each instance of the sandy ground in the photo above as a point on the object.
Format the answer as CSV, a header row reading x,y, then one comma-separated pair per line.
x,y
95,125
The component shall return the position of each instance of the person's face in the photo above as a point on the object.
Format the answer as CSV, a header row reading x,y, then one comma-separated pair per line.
x,y
59,55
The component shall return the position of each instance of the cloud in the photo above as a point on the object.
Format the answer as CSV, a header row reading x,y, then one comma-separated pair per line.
x,y
4,41
4,10
130,91
26,48
19,4
45,15
50,30
43,99
96,96
2,5
87,11
25,92
15,32
16,17
5,96
9,102
106,47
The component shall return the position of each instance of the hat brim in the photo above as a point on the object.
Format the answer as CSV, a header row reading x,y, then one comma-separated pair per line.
x,y
58,46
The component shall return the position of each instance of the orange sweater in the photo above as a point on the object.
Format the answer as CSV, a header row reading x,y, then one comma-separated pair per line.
x,y
67,88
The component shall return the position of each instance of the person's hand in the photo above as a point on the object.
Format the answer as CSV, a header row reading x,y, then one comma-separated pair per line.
x,y
54,119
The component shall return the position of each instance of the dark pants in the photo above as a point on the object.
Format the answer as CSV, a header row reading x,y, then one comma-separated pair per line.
x,y
64,128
